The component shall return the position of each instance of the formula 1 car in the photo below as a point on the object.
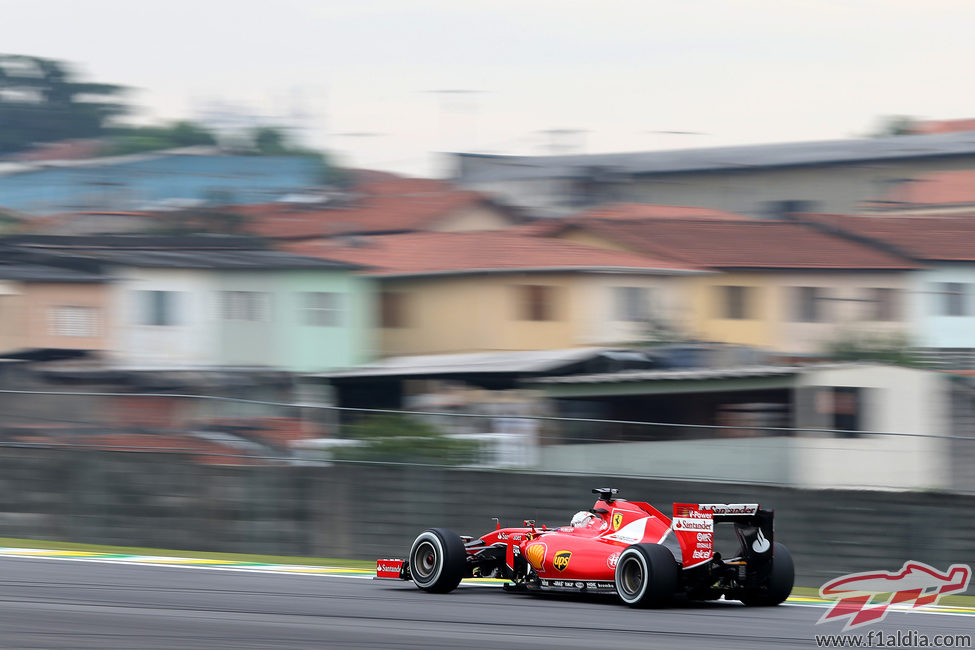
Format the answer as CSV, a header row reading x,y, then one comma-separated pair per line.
x,y
624,547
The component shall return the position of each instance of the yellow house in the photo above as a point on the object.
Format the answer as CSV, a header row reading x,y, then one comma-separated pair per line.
x,y
782,286
446,292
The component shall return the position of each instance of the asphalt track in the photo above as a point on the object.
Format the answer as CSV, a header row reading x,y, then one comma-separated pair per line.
x,y
58,603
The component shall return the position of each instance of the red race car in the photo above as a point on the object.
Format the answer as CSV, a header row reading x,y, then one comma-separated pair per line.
x,y
624,547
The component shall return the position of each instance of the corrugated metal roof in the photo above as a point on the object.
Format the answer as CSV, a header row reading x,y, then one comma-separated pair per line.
x,y
39,273
208,259
487,168
729,372
675,375
467,363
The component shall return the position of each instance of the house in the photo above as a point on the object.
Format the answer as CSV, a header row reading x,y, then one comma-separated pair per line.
x,y
191,175
221,301
64,306
451,292
822,426
378,204
939,301
835,176
783,286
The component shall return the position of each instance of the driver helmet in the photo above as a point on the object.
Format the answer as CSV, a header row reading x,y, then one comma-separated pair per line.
x,y
581,519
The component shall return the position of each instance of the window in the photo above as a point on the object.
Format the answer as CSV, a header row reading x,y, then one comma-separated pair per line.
x,y
952,298
631,304
810,304
537,302
71,320
323,309
735,302
883,304
246,305
392,309
157,307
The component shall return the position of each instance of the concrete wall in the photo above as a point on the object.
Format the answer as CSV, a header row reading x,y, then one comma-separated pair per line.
x,y
368,512
897,400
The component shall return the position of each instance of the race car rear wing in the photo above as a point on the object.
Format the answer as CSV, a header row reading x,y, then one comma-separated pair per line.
x,y
693,526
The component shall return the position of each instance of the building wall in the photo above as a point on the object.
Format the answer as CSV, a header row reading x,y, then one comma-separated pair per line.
x,y
193,337
479,217
287,338
277,334
894,400
28,315
483,312
835,188
933,328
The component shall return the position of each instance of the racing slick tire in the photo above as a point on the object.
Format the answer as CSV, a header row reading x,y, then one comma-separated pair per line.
x,y
438,560
646,575
780,580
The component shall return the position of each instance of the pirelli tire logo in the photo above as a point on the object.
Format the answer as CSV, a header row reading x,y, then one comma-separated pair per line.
x,y
561,560
536,554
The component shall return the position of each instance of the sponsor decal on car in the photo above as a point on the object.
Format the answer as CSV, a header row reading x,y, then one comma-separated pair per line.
x,y
692,524
613,560
761,543
730,508
581,586
617,520
561,560
856,594
693,527
388,568
536,554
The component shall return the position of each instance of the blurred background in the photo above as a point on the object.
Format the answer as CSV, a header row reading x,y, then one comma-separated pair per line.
x,y
311,281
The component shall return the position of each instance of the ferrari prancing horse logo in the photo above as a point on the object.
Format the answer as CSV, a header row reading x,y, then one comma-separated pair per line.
x,y
561,560
617,520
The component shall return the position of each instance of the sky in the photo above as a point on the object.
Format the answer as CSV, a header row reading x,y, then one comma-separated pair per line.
x,y
364,79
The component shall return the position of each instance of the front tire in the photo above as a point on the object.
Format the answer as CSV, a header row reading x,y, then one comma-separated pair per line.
x,y
646,575
780,580
438,560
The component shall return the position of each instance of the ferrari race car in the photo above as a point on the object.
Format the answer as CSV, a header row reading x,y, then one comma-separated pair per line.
x,y
624,547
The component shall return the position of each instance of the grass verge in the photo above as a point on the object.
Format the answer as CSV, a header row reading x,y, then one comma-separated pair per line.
x,y
228,557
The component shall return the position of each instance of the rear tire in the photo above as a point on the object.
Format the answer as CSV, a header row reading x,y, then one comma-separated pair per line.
x,y
646,575
438,560
780,580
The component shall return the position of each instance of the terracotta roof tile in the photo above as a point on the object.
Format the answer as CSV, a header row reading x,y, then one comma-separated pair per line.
x,y
468,252
378,205
742,244
943,126
922,238
636,211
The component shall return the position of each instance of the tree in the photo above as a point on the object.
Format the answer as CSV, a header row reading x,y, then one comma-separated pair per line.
x,y
399,438
157,138
41,101
894,125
